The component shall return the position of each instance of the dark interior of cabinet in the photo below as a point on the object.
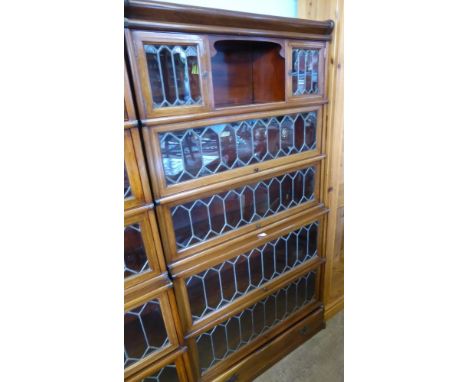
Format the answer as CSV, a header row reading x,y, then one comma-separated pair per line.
x,y
247,72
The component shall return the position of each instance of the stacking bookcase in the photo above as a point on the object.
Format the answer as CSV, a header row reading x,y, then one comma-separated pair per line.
x,y
225,218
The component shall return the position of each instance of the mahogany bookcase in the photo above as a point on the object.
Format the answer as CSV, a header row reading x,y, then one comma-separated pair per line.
x,y
225,220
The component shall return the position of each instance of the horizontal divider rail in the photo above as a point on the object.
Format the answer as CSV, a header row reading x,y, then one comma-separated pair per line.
x,y
224,251
231,183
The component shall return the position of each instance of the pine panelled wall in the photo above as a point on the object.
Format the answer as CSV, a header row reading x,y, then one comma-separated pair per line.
x,y
334,275
225,187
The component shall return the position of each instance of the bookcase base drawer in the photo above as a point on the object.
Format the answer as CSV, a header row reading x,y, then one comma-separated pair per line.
x,y
262,359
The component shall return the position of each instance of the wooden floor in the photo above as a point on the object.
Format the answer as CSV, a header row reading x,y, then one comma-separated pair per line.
x,y
318,360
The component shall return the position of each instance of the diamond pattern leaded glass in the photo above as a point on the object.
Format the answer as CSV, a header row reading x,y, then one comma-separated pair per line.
x,y
203,219
195,153
144,332
174,75
135,260
229,336
305,71
166,374
224,283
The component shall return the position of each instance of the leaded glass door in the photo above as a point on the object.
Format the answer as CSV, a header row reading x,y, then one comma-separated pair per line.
x,y
306,70
173,72
201,153
150,331
172,368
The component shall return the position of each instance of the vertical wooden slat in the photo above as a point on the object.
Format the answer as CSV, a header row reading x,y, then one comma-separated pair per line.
x,y
324,10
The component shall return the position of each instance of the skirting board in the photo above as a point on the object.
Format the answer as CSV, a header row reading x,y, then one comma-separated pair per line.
x,y
334,308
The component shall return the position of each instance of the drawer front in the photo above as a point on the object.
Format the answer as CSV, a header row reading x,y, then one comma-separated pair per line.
x,y
207,221
186,158
306,70
172,72
150,330
240,331
143,258
173,368
221,285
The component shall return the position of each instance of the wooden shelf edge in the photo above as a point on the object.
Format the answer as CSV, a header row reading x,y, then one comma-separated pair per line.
x,y
235,113
229,249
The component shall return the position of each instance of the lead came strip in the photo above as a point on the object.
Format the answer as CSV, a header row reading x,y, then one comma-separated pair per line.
x,y
305,71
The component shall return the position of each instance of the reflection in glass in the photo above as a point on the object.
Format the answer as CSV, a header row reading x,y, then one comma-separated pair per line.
x,y
135,260
144,332
241,329
215,215
195,153
218,286
174,75
305,71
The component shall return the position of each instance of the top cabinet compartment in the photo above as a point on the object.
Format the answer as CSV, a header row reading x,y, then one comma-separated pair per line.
x,y
173,73
247,72
179,75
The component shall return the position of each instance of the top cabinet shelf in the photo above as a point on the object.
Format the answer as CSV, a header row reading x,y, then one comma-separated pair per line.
x,y
247,72
177,74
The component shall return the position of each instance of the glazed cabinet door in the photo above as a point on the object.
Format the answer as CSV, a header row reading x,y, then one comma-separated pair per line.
x,y
151,327
143,258
172,369
190,155
306,70
172,73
